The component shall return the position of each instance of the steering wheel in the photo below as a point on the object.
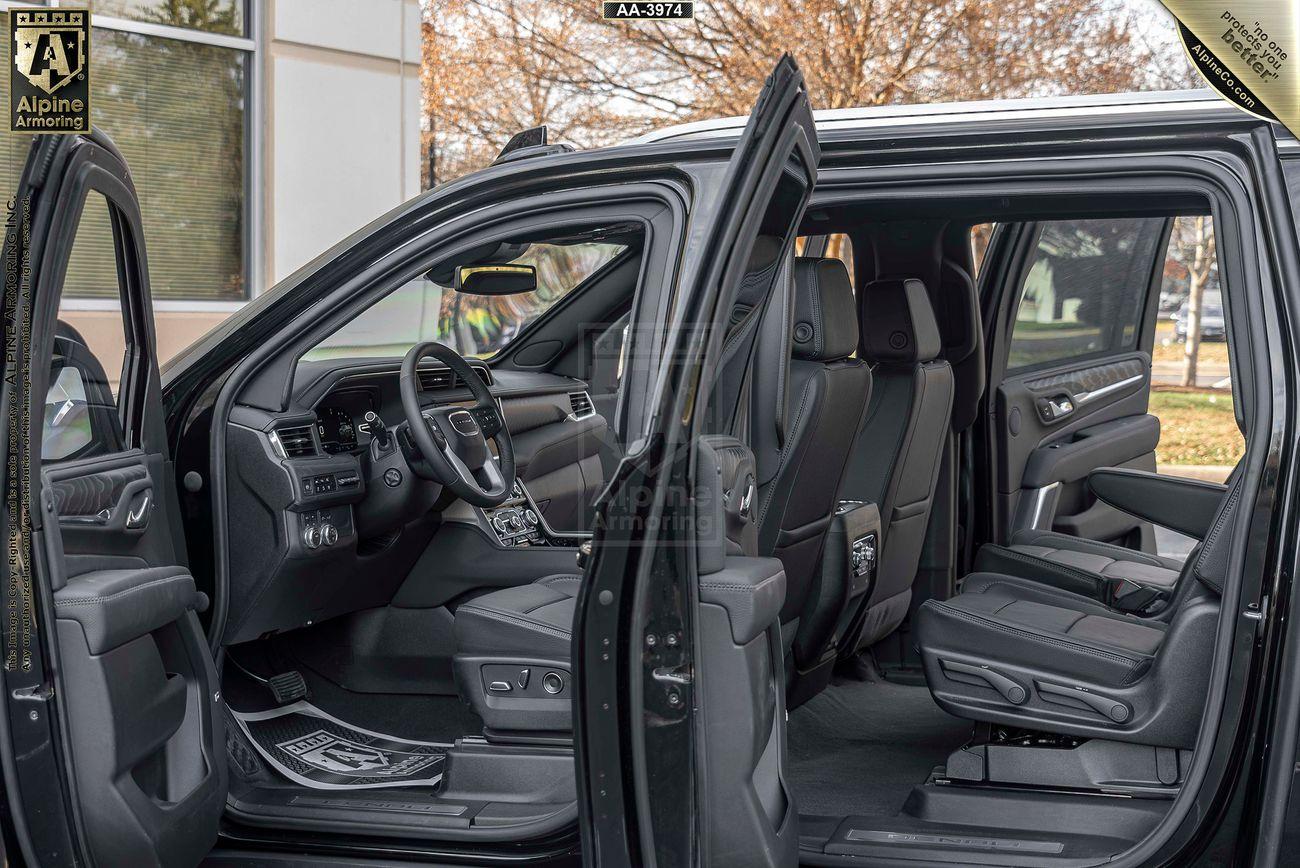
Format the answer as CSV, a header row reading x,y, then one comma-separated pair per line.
x,y
453,440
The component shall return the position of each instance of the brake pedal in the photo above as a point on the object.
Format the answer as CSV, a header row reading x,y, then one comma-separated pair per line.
x,y
287,687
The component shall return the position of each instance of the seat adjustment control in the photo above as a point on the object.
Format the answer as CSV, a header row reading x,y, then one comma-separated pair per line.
x,y
552,683
1010,690
1103,705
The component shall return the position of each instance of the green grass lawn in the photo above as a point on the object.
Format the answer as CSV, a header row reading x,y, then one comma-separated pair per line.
x,y
1196,427
1169,350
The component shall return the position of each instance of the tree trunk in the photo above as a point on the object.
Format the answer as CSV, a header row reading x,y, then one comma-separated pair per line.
x,y
1196,279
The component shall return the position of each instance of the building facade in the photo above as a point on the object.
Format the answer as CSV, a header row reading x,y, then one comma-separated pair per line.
x,y
259,133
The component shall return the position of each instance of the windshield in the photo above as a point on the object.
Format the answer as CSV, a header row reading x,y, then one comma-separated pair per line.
x,y
472,325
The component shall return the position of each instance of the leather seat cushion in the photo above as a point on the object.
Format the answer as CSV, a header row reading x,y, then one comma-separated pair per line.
x,y
1079,565
1010,619
533,620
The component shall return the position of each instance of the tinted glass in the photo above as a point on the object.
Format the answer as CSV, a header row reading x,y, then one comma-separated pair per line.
x,y
81,407
471,325
1085,290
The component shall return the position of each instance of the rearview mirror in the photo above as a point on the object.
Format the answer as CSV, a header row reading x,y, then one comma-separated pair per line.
x,y
496,279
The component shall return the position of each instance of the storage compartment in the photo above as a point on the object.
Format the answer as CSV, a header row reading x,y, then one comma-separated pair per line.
x,y
851,549
832,613
141,723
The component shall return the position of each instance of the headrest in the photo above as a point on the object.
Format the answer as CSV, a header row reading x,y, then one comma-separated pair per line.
x,y
825,327
898,322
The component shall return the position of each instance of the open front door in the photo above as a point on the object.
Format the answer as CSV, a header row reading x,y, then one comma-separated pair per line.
x,y
680,712
112,668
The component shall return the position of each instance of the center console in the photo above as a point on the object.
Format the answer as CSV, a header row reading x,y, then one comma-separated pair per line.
x,y
518,523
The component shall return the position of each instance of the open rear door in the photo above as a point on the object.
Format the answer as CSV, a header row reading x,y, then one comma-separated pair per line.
x,y
681,734
115,744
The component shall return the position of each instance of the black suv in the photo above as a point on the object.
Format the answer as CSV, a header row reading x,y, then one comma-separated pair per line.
x,y
754,493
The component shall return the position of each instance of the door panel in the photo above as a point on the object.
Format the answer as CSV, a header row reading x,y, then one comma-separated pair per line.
x,y
657,559
136,687
1071,358
1059,426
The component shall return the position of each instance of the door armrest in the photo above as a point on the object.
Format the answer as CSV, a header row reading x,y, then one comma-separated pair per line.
x,y
1178,503
751,591
115,606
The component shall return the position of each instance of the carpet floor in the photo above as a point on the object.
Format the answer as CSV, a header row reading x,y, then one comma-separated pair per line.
x,y
858,748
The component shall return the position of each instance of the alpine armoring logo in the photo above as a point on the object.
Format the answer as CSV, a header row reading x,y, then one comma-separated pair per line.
x,y
1220,77
49,82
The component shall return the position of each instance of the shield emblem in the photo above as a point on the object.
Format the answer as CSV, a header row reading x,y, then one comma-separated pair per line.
x,y
49,55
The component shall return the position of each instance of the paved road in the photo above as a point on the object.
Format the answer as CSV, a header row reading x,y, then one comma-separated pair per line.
x,y
1207,375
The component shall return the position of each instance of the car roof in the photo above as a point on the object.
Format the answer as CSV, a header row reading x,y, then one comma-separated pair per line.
x,y
1203,102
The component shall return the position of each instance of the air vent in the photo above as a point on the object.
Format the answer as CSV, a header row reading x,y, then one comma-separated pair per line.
x,y
581,404
440,379
436,381
296,442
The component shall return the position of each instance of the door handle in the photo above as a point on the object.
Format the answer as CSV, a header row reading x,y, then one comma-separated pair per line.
x,y
1056,407
138,518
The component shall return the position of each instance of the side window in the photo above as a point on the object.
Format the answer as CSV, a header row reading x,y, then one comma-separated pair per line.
x,y
980,236
1085,290
608,357
81,417
1191,372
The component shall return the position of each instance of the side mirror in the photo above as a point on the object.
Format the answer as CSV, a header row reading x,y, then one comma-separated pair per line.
x,y
495,279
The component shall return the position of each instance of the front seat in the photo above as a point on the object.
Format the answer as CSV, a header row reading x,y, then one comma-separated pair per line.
x,y
513,645
809,398
806,409
895,462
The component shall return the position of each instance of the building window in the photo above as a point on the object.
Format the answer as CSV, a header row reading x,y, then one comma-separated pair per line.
x,y
213,16
177,107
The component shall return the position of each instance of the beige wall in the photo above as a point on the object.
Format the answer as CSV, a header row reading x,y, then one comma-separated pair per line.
x,y
342,102
102,330
339,140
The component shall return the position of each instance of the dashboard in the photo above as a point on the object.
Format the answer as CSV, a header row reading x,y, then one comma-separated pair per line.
x,y
341,420
325,521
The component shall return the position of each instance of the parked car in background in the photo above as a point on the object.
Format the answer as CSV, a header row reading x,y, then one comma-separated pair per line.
x,y
1212,324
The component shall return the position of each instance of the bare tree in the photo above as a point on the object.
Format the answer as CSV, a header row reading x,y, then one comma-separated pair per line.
x,y
495,66
1195,248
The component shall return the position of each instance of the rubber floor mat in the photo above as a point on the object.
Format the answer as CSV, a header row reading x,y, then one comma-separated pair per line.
x,y
311,748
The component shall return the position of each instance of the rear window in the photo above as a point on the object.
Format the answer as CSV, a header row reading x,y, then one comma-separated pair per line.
x,y
472,325
1085,290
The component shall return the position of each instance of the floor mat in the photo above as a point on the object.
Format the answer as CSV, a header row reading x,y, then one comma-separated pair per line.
x,y
311,748
858,748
